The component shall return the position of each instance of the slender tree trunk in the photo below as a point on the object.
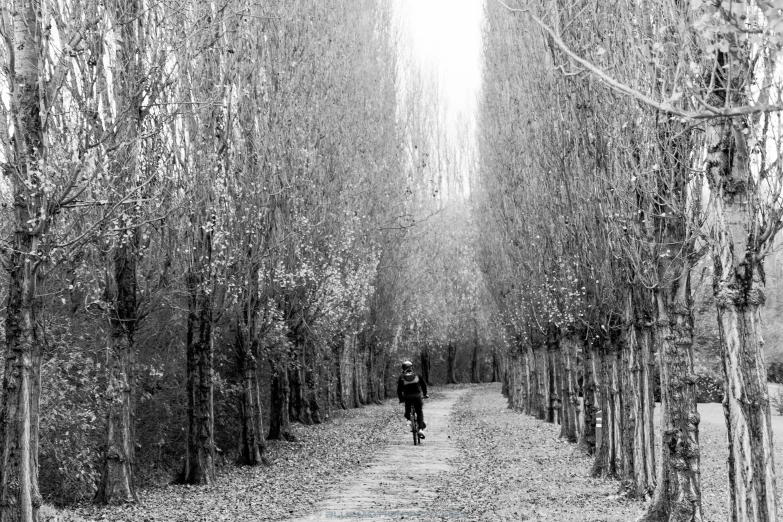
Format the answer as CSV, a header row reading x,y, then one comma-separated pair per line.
x,y
117,483
536,390
569,347
199,466
475,363
298,407
252,446
21,389
312,380
638,433
645,426
451,364
358,397
608,456
425,366
279,423
528,377
496,377
337,351
591,396
508,387
554,406
20,498
545,383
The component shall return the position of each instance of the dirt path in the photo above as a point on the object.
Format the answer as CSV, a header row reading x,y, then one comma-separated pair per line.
x,y
402,480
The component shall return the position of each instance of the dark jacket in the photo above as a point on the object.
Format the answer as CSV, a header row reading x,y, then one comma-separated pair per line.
x,y
411,386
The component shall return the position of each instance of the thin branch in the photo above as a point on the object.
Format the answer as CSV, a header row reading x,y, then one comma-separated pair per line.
x,y
710,113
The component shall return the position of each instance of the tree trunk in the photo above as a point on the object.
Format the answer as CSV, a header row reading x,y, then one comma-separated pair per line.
x,y
117,485
509,387
451,364
543,381
645,426
553,358
495,366
298,407
475,363
21,390
678,492
199,466
252,445
590,392
638,470
608,456
337,351
425,366
279,423
745,220
527,376
20,498
569,348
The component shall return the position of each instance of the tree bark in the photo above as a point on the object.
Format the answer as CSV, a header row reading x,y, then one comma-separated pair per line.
x,y
19,491
609,455
569,349
744,222
20,498
527,376
117,484
590,392
337,351
496,377
199,466
252,446
475,363
451,364
678,492
279,423
425,366
638,436
543,381
298,407
738,283
553,405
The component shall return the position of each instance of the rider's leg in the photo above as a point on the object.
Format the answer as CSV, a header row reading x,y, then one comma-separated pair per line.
x,y
419,405
408,409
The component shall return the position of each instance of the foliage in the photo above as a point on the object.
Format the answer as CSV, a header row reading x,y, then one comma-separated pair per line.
x,y
71,426
777,400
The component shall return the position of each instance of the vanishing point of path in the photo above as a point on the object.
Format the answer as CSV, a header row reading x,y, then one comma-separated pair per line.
x,y
402,481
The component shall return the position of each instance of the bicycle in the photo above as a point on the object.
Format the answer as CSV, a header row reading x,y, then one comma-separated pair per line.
x,y
415,426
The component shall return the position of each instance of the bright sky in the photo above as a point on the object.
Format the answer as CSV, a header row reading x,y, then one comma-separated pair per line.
x,y
445,37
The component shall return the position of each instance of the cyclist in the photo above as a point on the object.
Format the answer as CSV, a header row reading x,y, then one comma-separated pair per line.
x,y
410,390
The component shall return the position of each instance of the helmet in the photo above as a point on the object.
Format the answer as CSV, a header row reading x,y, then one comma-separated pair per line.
x,y
407,365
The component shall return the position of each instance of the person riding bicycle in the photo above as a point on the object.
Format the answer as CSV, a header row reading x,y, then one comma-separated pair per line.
x,y
411,387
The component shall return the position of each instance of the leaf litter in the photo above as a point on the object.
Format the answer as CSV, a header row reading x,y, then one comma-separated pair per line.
x,y
510,467
299,475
